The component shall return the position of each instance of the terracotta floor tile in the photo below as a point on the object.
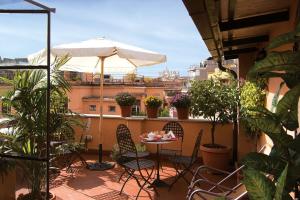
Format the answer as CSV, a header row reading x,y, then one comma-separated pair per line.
x,y
85,184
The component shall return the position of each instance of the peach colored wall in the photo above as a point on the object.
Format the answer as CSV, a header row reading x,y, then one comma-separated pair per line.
x,y
247,60
142,125
77,104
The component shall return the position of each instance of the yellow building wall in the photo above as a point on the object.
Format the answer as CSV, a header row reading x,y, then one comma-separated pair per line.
x,y
78,104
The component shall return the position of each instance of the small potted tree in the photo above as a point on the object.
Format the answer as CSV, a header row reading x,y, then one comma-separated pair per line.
x,y
152,105
214,101
28,90
182,103
125,101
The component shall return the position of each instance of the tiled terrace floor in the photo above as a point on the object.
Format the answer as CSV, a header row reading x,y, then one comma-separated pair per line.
x,y
103,185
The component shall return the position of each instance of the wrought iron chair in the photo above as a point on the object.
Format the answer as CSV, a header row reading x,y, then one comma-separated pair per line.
x,y
177,129
71,152
186,163
127,146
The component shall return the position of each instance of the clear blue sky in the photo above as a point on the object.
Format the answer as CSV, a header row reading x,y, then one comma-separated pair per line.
x,y
158,25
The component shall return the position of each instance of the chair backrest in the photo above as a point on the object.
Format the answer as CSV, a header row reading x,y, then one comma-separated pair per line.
x,y
196,147
175,127
124,139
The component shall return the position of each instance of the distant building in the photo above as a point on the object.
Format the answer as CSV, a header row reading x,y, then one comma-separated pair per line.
x,y
84,95
208,67
10,61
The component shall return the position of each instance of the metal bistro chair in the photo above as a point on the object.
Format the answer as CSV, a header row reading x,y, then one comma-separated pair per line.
x,y
186,163
219,188
126,145
75,151
177,129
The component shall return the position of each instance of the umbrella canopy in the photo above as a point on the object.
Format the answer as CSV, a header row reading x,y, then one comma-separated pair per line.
x,y
119,57
101,56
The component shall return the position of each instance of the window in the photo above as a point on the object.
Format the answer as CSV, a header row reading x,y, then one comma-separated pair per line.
x,y
112,108
92,108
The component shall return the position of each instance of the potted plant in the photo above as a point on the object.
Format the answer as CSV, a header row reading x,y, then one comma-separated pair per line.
x,y
152,105
214,101
125,101
28,100
182,103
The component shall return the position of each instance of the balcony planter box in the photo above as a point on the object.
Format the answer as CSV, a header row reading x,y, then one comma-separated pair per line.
x,y
152,112
125,111
217,156
182,113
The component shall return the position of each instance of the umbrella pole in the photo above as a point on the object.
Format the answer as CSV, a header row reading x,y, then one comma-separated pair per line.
x,y
101,165
101,109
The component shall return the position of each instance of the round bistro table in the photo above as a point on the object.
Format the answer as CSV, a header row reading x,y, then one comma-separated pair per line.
x,y
158,182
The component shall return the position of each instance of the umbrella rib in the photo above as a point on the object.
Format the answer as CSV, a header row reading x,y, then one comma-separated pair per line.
x,y
131,63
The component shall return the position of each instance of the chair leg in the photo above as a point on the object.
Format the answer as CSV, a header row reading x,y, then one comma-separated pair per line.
x,y
130,175
70,162
121,176
181,174
142,187
146,180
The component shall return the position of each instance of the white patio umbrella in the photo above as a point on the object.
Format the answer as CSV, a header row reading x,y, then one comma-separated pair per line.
x,y
101,56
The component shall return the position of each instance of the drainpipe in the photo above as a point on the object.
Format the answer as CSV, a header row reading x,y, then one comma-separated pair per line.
x,y
235,131
212,8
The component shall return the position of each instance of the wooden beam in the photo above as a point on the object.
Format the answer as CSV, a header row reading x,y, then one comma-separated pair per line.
x,y
231,9
240,51
228,57
255,21
242,41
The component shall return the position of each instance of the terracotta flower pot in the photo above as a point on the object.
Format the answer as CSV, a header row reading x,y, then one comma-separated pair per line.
x,y
217,157
125,111
152,112
27,196
182,113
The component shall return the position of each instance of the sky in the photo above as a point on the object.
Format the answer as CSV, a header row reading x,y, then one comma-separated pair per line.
x,y
163,26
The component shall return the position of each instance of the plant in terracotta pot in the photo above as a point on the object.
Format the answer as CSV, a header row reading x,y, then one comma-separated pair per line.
x,y
214,101
125,101
27,98
152,105
182,103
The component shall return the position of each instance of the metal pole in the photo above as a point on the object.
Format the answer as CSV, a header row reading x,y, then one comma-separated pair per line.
x,y
48,101
101,108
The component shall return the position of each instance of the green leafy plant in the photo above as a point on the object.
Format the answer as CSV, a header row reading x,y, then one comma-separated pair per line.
x,y
214,101
28,100
153,102
164,112
283,163
261,187
125,99
140,113
251,96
